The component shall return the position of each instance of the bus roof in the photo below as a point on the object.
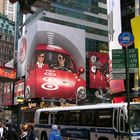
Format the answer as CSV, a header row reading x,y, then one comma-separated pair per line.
x,y
83,107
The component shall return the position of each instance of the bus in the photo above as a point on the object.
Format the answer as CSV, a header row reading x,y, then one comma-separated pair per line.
x,y
105,121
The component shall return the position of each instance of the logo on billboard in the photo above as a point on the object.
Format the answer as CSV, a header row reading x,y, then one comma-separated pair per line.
x,y
23,49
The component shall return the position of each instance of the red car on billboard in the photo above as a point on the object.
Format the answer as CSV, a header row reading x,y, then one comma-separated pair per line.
x,y
52,73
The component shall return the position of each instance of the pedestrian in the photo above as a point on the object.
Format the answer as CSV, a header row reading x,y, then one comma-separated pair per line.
x,y
55,134
31,133
23,132
1,131
12,133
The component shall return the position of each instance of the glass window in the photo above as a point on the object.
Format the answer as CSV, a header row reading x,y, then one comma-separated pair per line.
x,y
44,116
55,60
115,117
103,117
135,121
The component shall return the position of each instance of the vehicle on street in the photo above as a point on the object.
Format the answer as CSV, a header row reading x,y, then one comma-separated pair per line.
x,y
106,121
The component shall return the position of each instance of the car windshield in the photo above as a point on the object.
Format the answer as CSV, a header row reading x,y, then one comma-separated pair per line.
x,y
134,118
55,60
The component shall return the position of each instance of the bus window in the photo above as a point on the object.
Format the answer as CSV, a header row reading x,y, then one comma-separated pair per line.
x,y
87,118
135,121
103,117
115,118
62,118
74,118
122,120
44,116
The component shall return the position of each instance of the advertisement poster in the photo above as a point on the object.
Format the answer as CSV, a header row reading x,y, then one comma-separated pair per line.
x,y
8,94
19,88
136,33
52,57
99,70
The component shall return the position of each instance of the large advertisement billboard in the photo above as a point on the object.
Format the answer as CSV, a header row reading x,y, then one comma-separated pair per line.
x,y
136,32
52,57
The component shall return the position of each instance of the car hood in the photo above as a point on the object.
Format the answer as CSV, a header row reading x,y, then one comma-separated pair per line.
x,y
53,83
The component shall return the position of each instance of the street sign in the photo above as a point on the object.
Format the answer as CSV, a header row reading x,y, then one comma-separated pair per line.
x,y
133,60
118,61
118,76
126,39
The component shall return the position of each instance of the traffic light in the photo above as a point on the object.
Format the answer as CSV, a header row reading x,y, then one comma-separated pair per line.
x,y
12,1
25,5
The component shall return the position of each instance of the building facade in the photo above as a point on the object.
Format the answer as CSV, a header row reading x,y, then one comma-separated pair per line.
x,y
8,9
7,30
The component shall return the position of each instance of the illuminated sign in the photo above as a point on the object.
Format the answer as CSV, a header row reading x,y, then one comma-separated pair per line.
x,y
8,94
19,91
6,72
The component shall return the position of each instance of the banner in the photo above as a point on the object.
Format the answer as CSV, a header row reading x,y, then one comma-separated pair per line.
x,y
53,59
19,89
8,94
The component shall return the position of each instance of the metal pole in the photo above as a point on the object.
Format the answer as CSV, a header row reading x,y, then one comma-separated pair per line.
x,y
19,117
127,88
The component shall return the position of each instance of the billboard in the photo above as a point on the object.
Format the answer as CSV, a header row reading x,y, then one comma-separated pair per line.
x,y
136,33
52,57
7,73
19,89
99,70
8,94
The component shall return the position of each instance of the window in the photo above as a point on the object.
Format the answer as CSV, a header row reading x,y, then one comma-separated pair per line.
x,y
44,117
103,117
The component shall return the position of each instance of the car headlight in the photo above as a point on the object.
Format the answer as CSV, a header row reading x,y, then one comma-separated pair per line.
x,y
81,92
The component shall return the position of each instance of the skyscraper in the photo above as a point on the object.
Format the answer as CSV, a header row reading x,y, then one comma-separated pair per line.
x,y
8,9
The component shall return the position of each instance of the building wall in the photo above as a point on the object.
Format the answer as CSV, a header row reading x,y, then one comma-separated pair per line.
x,y
1,6
7,30
8,9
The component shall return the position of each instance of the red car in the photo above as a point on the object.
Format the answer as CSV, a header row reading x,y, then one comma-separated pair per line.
x,y
49,78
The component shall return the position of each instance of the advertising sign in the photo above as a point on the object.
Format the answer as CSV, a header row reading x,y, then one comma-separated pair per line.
x,y
19,88
7,73
53,60
99,70
136,32
8,94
